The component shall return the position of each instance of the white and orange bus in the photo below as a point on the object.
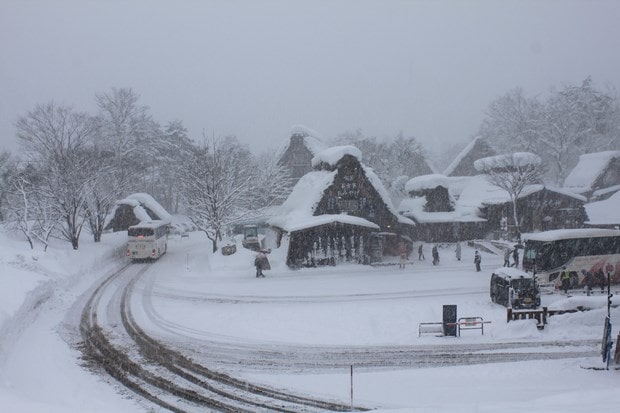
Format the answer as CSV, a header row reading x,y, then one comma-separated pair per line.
x,y
594,251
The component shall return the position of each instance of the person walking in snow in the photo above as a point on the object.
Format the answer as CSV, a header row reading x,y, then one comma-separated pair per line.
x,y
261,263
565,279
458,251
507,257
435,255
477,260
515,257
421,252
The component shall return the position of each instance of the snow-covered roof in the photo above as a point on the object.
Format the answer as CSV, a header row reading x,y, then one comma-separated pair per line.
x,y
331,156
297,212
414,208
513,159
385,196
558,234
588,169
605,212
512,273
423,182
312,140
459,158
140,200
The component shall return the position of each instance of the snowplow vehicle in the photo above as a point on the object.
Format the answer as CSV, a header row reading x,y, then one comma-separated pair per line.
x,y
251,238
511,287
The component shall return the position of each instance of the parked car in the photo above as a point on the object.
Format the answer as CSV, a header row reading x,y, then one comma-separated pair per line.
x,y
511,287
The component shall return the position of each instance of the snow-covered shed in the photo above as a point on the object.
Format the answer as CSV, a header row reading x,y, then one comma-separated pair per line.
x,y
539,208
339,211
136,208
463,164
296,156
596,175
438,216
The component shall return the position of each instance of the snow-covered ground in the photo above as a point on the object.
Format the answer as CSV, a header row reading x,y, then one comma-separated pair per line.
x,y
190,295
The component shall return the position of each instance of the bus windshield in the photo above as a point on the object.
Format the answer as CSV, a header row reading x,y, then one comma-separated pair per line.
x,y
141,232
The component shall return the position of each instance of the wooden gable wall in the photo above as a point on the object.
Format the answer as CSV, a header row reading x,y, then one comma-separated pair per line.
x,y
353,193
297,158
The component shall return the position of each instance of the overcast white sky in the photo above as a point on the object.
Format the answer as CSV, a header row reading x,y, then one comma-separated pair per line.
x,y
255,68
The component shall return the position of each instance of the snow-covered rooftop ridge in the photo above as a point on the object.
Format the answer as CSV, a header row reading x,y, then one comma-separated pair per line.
x,y
422,182
460,156
305,131
331,156
517,159
588,169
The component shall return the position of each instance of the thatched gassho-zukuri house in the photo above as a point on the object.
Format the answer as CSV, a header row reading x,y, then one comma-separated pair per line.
x,y
297,155
339,212
136,208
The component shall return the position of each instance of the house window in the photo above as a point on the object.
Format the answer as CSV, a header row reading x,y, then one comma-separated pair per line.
x,y
331,203
348,205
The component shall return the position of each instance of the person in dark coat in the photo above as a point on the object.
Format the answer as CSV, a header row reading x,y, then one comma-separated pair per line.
x,y
515,257
421,252
477,260
457,250
261,263
435,255
588,281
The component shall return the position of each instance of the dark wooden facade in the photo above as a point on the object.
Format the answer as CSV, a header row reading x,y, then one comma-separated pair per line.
x,y
353,193
539,211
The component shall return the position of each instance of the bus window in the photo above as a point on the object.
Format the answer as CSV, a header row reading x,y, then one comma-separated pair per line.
x,y
140,232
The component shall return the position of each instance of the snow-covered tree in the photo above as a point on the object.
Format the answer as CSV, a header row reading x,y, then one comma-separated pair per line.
x,y
55,139
127,130
569,122
215,185
512,172
271,183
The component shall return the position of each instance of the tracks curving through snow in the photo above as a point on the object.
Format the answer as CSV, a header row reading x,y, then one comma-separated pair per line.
x,y
185,373
163,375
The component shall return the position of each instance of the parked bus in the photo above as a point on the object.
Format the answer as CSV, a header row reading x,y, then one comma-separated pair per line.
x,y
147,240
581,251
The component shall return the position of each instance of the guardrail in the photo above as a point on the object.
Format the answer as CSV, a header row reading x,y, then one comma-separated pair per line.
x,y
463,323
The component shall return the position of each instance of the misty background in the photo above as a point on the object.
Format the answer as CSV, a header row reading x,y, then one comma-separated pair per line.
x,y
254,69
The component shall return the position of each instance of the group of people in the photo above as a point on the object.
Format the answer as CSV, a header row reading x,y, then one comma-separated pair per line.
x,y
589,280
261,262
515,257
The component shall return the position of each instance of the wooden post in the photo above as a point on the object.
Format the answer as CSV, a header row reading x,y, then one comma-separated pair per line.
x,y
351,387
